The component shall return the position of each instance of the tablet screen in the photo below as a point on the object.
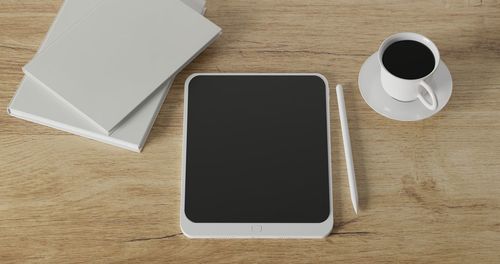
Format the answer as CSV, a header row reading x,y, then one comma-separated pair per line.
x,y
257,149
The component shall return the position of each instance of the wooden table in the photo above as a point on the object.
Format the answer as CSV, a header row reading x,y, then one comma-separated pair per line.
x,y
429,190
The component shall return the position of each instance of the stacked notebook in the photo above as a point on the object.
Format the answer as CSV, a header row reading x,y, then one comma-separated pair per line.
x,y
106,66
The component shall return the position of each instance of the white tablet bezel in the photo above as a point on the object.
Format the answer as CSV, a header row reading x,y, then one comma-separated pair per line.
x,y
254,230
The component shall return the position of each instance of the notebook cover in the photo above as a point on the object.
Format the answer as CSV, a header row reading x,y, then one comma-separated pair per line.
x,y
35,103
105,68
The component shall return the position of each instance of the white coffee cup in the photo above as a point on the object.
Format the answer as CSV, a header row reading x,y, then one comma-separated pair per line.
x,y
407,90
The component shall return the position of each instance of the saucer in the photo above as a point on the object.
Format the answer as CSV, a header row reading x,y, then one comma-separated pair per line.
x,y
375,96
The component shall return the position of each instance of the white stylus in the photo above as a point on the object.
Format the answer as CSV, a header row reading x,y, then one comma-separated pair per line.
x,y
347,148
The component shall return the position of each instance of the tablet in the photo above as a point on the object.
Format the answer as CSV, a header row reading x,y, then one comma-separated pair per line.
x,y
256,156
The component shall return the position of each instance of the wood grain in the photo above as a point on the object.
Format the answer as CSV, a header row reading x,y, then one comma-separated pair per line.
x,y
429,190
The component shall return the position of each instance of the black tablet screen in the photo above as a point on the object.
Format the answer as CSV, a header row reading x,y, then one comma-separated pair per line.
x,y
257,150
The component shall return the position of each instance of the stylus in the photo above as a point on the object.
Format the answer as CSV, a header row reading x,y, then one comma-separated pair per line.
x,y
347,148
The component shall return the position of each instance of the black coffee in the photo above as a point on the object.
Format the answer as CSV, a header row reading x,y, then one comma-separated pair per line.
x,y
408,59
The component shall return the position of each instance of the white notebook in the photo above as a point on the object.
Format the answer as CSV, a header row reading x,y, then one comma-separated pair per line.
x,y
37,104
109,62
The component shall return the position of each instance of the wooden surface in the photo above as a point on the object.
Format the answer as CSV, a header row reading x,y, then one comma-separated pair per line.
x,y
429,190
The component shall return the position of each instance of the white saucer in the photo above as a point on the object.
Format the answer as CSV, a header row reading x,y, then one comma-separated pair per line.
x,y
376,97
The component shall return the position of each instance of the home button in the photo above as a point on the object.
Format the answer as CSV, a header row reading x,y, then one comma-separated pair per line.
x,y
257,228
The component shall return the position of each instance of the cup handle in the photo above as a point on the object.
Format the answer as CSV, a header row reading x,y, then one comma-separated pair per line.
x,y
430,105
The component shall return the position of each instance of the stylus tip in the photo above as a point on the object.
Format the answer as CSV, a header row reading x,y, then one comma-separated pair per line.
x,y
355,205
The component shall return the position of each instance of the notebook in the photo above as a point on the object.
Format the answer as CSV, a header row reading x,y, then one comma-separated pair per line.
x,y
109,62
37,104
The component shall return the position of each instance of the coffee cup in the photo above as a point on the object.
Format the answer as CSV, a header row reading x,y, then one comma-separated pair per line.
x,y
407,60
